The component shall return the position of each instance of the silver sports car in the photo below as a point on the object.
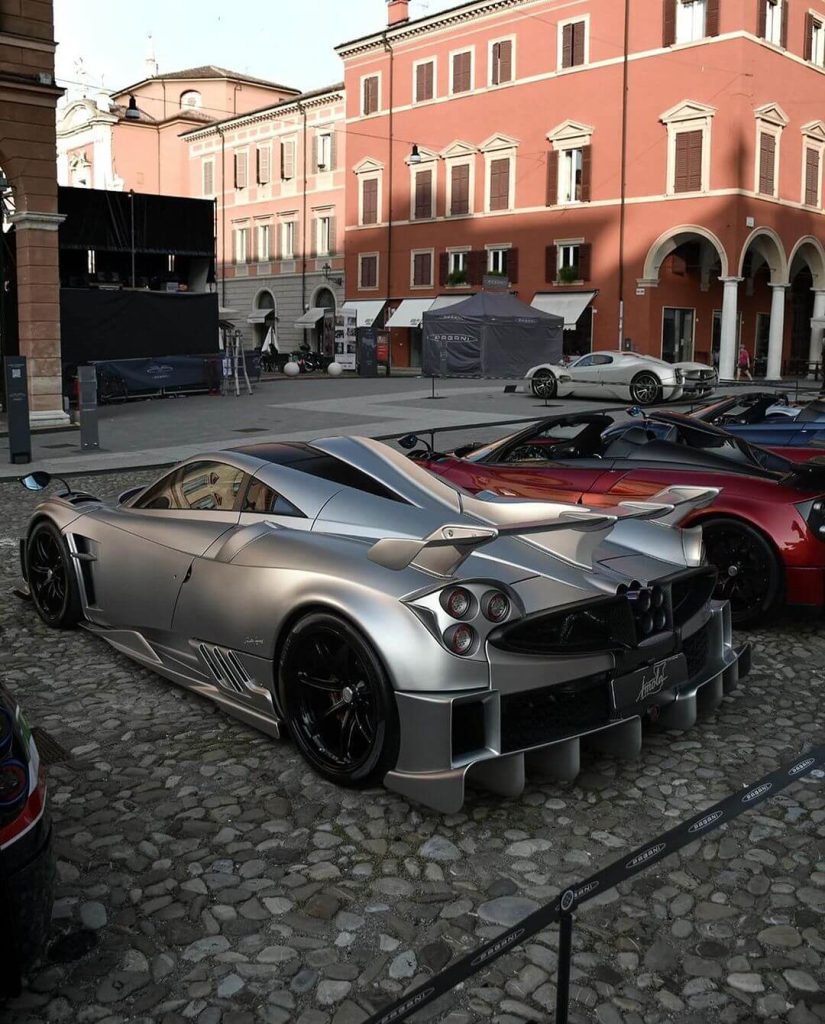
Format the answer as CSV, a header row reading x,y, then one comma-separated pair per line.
x,y
628,376
399,629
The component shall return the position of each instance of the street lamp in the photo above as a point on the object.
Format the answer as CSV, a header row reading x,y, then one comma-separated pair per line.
x,y
328,275
132,112
415,156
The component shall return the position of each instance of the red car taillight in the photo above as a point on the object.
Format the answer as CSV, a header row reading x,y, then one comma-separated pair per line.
x,y
813,512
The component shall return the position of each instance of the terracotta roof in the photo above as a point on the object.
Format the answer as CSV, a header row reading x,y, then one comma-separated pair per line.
x,y
207,71
275,107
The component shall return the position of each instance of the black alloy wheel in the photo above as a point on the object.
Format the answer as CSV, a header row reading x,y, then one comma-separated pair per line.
x,y
749,571
338,704
51,577
544,384
645,389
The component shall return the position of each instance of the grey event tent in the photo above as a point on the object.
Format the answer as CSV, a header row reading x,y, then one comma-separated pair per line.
x,y
491,334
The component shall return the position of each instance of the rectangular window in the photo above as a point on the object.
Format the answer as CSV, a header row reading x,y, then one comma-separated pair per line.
x,y
264,243
369,201
241,245
264,165
324,240
459,189
288,160
688,162
690,20
368,271
767,163
812,177
323,151
568,261
500,184
497,261
424,81
209,177
241,170
501,62
369,104
423,208
570,176
815,41
422,269
462,74
773,29
457,262
287,239
573,44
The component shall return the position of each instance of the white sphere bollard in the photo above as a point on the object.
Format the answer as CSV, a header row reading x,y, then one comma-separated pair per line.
x,y
335,369
292,369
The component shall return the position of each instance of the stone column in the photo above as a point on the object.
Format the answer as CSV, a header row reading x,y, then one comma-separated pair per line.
x,y
776,334
728,341
817,325
38,313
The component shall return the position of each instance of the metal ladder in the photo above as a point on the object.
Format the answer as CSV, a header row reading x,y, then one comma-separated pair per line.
x,y
239,363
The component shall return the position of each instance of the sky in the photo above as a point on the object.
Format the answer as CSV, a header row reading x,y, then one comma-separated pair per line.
x,y
286,41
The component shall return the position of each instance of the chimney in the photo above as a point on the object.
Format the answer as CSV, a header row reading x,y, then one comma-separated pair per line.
x,y
398,11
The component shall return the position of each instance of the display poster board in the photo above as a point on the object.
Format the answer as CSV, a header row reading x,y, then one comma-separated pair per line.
x,y
346,343
367,352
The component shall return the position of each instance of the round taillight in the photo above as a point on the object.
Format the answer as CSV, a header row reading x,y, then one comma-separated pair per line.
x,y
644,601
6,732
461,639
457,603
495,606
646,624
659,619
14,783
658,596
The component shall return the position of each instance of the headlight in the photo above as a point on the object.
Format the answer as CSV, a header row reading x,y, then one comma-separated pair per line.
x,y
494,606
461,639
458,603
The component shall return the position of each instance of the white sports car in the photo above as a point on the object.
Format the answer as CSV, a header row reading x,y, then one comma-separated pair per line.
x,y
643,380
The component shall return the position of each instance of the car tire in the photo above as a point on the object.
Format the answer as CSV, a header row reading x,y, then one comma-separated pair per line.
x,y
51,577
750,572
337,701
543,384
645,389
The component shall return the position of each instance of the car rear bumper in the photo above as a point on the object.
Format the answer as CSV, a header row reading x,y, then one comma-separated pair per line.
x,y
491,738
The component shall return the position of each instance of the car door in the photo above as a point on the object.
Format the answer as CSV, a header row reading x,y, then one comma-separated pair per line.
x,y
584,374
613,374
143,551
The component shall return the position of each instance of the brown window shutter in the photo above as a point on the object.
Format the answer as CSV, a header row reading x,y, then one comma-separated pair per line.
x,y
761,17
807,42
333,247
423,195
585,251
424,82
688,171
587,174
443,268
240,170
783,32
767,153
460,189
669,22
552,177
288,160
512,265
429,80
712,18
370,94
333,149
264,173
369,201
495,58
567,46
500,184
461,72
476,262
551,266
422,268
578,43
811,177
505,65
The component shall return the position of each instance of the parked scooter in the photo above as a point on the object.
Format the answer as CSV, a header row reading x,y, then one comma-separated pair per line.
x,y
309,361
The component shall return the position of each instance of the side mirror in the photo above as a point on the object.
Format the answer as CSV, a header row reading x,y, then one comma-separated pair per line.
x,y
635,410
36,481
408,441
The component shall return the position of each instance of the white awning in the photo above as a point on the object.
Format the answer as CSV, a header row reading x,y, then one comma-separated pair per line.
x,y
570,305
448,300
409,313
311,317
260,316
366,312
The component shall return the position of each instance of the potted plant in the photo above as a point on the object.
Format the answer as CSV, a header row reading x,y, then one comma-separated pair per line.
x,y
456,278
567,275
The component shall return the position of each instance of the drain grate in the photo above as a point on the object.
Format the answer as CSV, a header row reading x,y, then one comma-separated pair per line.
x,y
49,749
251,430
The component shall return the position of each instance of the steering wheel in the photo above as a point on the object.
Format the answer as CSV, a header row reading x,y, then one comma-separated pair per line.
x,y
526,452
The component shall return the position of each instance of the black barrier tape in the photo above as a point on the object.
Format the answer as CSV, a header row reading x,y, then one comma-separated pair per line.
x,y
662,846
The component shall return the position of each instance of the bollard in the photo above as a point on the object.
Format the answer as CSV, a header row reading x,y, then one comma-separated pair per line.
x,y
87,408
17,409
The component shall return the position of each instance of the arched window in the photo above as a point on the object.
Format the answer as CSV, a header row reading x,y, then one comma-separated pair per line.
x,y
191,99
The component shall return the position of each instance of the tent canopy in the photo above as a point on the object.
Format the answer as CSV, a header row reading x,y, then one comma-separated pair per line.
x,y
490,334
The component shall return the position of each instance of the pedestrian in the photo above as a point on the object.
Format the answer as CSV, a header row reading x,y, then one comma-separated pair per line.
x,y
743,364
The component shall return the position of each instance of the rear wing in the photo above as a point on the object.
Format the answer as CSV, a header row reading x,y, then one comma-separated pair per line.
x,y
444,550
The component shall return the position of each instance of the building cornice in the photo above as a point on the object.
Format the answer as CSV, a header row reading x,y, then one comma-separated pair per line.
x,y
286,109
34,221
411,29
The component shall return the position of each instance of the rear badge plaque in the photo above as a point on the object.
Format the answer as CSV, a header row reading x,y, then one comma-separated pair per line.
x,y
640,686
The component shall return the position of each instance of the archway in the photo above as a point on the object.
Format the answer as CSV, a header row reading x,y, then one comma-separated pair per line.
x,y
264,315
324,330
806,271
763,266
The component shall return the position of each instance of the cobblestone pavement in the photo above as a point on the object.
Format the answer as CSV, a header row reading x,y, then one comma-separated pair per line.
x,y
210,877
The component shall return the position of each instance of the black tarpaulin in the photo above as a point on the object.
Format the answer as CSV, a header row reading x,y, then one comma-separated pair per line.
x,y
102,221
489,334
101,325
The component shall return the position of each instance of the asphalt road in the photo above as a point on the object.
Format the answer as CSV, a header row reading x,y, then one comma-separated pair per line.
x,y
205,874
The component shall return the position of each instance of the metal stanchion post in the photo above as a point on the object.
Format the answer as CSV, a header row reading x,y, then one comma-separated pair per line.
x,y
563,979
87,408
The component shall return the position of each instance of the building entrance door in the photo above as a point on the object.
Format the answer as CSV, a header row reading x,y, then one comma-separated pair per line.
x,y
677,334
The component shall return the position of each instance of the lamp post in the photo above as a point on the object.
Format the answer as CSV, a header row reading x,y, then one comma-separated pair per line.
x,y
330,277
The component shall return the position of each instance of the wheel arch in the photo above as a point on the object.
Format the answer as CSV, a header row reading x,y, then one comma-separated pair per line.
x,y
703,516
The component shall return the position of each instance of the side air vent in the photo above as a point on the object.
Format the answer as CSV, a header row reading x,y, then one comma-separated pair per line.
x,y
225,667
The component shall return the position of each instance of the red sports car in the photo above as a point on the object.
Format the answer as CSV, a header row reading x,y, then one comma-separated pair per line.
x,y
764,532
